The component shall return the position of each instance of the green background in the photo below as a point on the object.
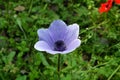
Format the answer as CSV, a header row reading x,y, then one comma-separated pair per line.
x,y
98,57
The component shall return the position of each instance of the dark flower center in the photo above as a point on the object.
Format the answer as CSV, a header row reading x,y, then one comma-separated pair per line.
x,y
59,45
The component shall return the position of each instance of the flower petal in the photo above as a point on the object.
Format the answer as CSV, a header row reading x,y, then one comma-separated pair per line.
x,y
105,7
72,46
72,34
44,35
58,29
117,1
41,46
53,52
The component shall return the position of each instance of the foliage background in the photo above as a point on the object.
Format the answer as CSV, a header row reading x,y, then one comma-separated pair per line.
x,y
98,57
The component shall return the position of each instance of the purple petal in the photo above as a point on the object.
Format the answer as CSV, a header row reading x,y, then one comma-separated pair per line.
x,y
72,46
41,46
53,52
58,29
72,34
44,35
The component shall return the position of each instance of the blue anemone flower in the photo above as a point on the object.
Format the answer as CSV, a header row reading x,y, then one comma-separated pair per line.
x,y
58,38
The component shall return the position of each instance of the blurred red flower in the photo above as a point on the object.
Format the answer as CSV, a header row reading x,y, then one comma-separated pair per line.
x,y
117,1
105,7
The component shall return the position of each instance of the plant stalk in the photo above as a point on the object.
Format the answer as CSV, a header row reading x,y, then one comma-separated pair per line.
x,y
58,68
114,73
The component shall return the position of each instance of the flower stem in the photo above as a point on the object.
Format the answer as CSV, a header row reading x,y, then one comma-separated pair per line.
x,y
58,66
30,7
114,73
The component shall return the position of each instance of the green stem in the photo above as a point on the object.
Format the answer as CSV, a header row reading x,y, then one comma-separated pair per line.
x,y
114,73
59,66
31,4
71,66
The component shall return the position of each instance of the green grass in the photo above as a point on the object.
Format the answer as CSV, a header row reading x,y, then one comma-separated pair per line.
x,y
98,57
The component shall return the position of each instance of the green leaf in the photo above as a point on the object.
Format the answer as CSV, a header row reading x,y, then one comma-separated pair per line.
x,y
21,78
44,61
